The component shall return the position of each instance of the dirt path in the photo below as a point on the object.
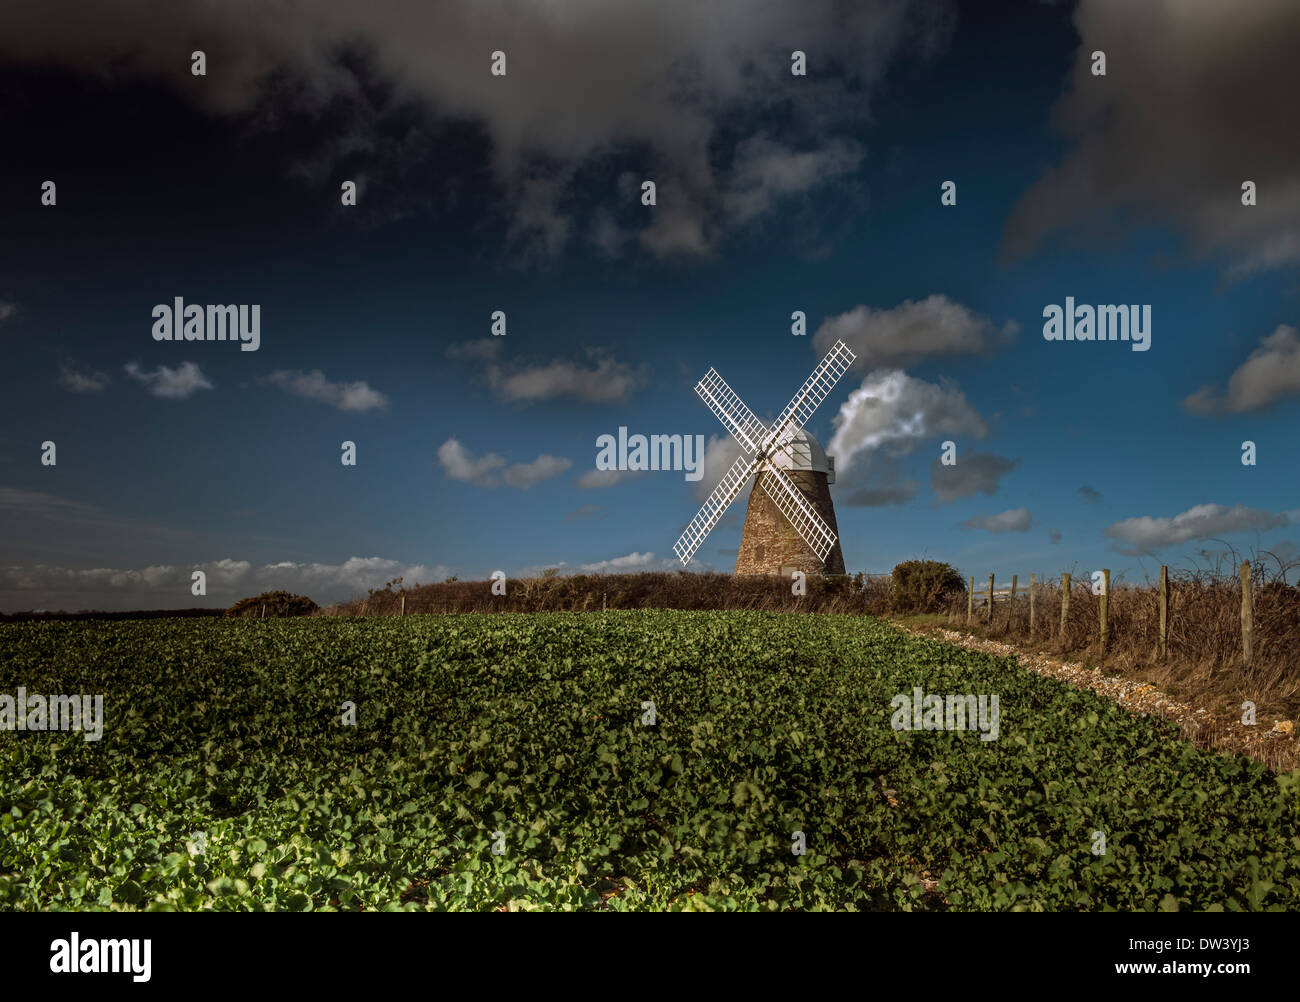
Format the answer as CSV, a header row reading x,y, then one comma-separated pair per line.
x,y
1272,742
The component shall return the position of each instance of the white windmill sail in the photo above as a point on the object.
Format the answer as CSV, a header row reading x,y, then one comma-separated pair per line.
x,y
745,428
814,390
811,527
715,507
761,445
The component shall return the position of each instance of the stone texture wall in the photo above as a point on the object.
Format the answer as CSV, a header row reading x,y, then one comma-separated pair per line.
x,y
769,544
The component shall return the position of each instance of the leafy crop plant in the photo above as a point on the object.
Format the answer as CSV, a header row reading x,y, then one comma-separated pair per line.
x,y
505,762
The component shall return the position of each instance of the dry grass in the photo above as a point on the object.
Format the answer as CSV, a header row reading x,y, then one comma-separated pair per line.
x,y
1203,664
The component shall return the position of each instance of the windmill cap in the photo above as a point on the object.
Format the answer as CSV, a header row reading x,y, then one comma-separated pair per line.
x,y
804,453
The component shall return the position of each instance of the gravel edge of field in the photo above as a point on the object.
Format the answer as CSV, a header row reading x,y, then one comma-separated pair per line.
x,y
1222,732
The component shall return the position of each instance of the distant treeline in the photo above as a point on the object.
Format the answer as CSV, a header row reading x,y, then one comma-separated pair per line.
x,y
268,604
20,617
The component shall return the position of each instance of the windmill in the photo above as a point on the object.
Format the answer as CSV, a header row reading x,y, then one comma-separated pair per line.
x,y
790,524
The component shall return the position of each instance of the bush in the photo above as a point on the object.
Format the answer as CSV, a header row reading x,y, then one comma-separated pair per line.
x,y
924,586
278,603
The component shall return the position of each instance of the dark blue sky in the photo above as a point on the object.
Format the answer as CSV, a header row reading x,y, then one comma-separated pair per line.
x,y
776,193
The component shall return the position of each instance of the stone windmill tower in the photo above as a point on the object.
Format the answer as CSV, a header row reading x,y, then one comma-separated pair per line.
x,y
790,524
770,544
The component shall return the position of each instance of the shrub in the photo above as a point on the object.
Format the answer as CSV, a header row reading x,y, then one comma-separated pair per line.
x,y
278,603
923,586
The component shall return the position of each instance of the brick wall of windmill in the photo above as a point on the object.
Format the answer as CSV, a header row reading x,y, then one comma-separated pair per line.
x,y
769,543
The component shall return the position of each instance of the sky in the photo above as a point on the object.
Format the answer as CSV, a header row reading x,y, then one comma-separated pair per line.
x,y
522,193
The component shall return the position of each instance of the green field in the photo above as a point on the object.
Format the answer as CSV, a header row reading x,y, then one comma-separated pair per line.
x,y
531,725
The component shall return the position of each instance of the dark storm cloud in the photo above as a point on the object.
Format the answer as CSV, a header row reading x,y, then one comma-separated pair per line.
x,y
585,78
972,474
877,497
1197,98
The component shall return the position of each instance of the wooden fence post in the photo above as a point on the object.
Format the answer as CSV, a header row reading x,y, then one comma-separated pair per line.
x,y
1065,602
1033,580
1105,608
263,610
403,605
970,601
1164,612
1247,615
989,617
1011,606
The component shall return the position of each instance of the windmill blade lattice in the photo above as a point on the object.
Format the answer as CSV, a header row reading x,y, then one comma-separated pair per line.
x,y
761,445
810,395
715,507
800,514
745,428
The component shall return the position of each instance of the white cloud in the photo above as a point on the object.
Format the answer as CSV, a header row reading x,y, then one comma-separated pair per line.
x,y
629,564
356,397
604,381
912,332
892,409
489,470
170,384
1271,373
1203,521
458,463
595,479
525,475
1011,520
601,380
82,382
167,586
621,565
765,171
